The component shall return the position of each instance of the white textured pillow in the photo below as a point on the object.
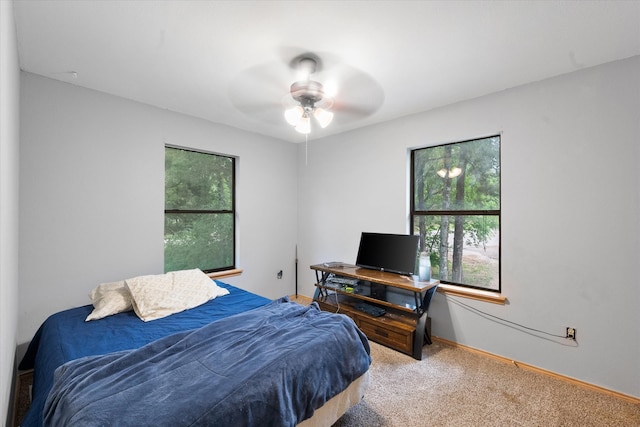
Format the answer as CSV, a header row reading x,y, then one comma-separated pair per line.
x,y
216,290
109,298
158,296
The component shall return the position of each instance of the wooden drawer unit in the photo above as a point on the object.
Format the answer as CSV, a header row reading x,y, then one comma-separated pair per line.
x,y
390,335
384,330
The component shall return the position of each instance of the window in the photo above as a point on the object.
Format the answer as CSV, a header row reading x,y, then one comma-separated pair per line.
x,y
455,209
199,216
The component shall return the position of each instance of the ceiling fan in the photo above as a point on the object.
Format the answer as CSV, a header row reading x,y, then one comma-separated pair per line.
x,y
310,95
308,88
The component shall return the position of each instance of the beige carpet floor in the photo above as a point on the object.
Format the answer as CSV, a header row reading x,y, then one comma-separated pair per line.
x,y
454,387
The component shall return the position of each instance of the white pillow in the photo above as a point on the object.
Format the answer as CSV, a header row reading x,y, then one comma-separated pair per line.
x,y
109,298
216,290
161,295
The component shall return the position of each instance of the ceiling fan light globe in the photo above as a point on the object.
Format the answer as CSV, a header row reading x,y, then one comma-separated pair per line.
x,y
323,117
293,115
304,125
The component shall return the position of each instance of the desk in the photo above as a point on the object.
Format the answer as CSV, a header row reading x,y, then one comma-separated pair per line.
x,y
404,326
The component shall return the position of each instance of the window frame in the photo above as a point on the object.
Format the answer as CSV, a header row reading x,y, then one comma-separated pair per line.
x,y
461,289
231,211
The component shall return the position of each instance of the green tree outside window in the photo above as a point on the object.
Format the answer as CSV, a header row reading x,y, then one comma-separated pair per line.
x,y
199,225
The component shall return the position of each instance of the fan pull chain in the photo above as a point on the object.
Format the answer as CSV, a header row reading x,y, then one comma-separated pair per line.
x,y
306,149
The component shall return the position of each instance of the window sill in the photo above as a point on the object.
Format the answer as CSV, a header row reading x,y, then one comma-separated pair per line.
x,y
224,274
476,294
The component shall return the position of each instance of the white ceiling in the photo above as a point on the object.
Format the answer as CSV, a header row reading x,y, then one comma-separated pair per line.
x,y
207,58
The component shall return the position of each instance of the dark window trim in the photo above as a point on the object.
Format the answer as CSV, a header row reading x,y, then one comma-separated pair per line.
x,y
495,212
209,211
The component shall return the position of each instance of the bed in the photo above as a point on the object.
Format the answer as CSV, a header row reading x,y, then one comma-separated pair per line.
x,y
239,359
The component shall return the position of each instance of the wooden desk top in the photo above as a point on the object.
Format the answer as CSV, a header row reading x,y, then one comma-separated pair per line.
x,y
384,277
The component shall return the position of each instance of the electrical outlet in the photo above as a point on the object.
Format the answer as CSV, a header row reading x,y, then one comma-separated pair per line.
x,y
571,333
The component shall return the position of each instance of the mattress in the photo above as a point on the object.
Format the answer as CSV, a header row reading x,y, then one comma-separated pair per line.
x,y
65,338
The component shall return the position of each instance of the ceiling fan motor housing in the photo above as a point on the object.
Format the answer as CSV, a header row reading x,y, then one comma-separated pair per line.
x,y
307,92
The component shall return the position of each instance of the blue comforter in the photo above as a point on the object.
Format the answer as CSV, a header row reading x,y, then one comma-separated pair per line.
x,y
65,336
273,365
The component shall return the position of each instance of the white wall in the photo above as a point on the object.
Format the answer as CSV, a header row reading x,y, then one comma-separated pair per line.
x,y
9,150
91,208
92,196
570,209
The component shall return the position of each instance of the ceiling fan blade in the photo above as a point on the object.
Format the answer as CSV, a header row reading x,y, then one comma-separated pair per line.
x,y
272,113
359,96
260,85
